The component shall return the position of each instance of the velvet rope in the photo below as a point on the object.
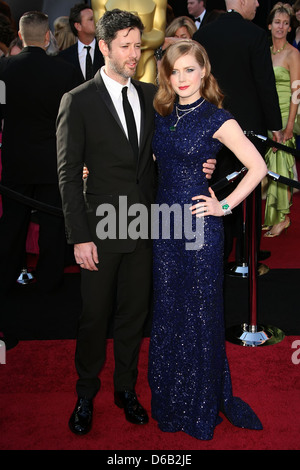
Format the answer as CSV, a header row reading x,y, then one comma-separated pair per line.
x,y
31,202
271,143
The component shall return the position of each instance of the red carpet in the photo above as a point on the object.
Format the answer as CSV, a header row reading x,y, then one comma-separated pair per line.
x,y
37,396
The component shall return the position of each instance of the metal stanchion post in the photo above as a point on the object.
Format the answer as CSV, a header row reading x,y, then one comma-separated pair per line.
x,y
241,269
253,335
236,269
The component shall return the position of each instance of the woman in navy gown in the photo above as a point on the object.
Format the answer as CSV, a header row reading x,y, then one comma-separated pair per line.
x,y
188,370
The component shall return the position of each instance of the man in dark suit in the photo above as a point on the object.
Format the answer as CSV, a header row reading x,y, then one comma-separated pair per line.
x,y
241,62
85,54
197,11
92,130
35,83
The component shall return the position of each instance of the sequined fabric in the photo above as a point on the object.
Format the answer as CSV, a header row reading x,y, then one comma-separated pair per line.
x,y
188,370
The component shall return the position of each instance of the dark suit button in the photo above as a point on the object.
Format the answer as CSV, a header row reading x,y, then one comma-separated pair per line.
x,y
137,181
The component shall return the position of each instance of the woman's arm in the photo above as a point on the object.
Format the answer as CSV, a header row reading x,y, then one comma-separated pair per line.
x,y
231,135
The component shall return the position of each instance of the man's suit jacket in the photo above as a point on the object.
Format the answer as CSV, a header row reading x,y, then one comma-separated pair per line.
x,y
89,131
71,55
241,62
35,83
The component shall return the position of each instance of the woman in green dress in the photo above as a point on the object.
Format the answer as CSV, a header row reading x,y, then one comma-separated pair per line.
x,y
286,63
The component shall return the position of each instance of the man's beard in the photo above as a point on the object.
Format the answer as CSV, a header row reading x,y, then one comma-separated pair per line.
x,y
122,70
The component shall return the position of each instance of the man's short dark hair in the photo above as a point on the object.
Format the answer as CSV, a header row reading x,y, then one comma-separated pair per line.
x,y
75,15
33,26
115,20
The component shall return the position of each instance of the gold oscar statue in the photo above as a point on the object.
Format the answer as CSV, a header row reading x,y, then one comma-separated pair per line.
x,y
153,16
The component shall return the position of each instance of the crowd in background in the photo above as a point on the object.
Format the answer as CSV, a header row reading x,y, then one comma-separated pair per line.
x,y
11,11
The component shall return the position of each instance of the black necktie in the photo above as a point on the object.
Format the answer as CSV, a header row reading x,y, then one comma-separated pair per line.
x,y
130,121
88,64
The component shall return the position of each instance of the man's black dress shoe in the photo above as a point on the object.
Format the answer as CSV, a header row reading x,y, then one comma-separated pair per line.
x,y
81,419
134,412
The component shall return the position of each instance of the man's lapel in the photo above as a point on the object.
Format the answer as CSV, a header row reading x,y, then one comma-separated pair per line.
x,y
105,96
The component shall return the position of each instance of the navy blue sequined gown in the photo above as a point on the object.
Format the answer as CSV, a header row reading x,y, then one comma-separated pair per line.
x,y
188,370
